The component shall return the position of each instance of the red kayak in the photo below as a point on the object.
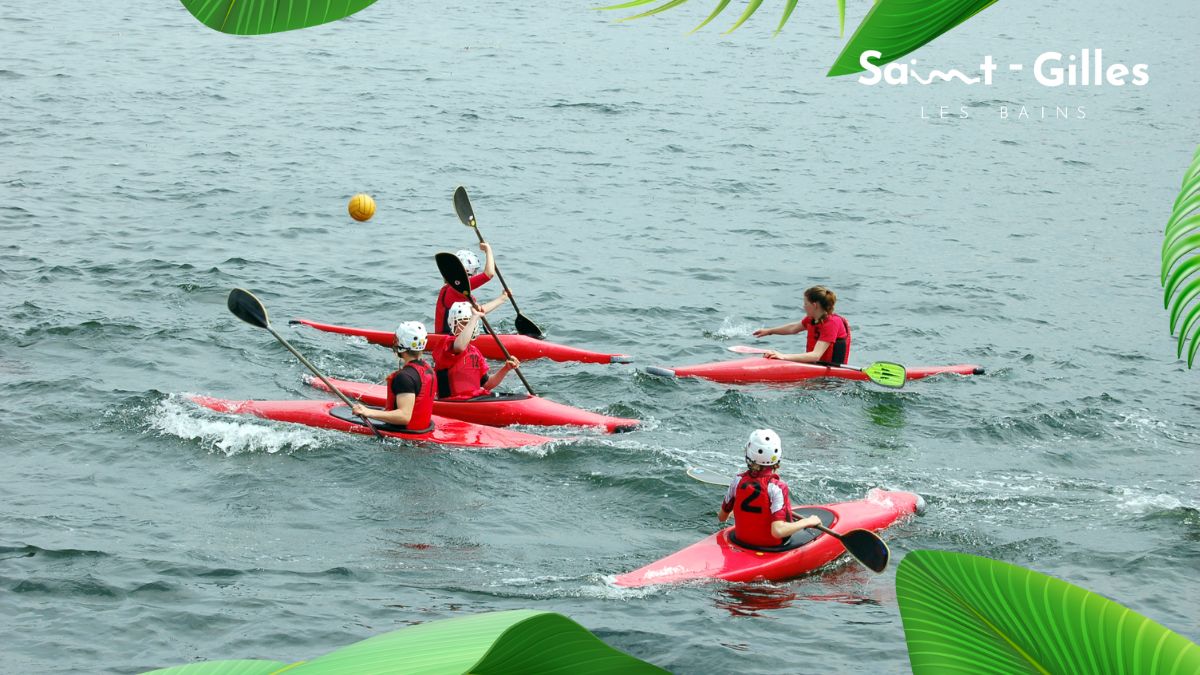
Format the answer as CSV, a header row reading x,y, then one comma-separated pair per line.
x,y
760,369
498,411
521,346
335,415
716,557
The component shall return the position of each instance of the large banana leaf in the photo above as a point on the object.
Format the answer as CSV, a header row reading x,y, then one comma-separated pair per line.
x,y
1181,259
516,641
966,614
897,27
257,17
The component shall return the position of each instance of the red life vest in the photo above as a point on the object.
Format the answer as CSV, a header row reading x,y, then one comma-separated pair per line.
x,y
421,417
752,508
836,331
460,376
448,296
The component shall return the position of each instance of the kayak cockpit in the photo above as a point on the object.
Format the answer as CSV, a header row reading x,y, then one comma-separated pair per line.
x,y
343,413
801,538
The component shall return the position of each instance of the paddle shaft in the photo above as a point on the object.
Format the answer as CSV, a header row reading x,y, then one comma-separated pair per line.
x,y
316,372
741,349
503,284
868,371
499,343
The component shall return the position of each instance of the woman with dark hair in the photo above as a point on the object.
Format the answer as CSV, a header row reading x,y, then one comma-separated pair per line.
x,y
828,333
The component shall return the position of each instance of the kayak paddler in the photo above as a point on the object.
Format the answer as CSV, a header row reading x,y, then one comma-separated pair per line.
x,y
759,500
828,333
478,273
461,370
411,389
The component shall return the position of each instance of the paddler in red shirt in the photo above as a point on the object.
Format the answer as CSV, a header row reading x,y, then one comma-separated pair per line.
x,y
479,275
462,372
411,388
828,333
759,500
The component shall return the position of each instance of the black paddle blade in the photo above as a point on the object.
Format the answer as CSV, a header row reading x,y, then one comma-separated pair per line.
x,y
867,548
453,272
527,327
246,307
462,206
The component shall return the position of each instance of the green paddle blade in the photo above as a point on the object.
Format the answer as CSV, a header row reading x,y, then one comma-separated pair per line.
x,y
453,272
967,614
887,374
259,17
246,307
462,206
867,548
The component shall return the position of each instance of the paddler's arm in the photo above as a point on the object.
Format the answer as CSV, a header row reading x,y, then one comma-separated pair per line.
x,y
401,415
785,329
463,339
496,379
782,529
727,503
489,266
488,307
806,357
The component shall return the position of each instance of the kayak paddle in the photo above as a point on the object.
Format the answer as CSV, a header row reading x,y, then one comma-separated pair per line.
x,y
250,309
863,545
462,206
454,274
883,373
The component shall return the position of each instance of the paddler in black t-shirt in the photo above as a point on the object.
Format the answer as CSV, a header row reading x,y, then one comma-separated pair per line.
x,y
411,389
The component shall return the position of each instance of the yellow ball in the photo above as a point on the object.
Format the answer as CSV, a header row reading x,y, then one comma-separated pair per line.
x,y
361,207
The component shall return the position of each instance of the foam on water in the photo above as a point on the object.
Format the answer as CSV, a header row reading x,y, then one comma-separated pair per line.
x,y
176,416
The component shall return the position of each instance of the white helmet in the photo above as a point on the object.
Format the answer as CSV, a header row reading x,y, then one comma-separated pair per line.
x,y
763,448
470,262
411,336
460,312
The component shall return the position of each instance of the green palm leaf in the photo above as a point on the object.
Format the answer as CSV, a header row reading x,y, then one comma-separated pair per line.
x,y
516,641
966,614
1181,259
750,9
897,27
257,17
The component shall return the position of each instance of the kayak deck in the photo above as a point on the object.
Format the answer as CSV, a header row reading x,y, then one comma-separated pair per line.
x,y
324,415
716,557
523,347
503,410
760,369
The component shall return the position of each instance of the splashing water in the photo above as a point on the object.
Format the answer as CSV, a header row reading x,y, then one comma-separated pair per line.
x,y
177,417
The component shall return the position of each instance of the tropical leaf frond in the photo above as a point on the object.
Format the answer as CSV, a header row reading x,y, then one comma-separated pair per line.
x,y
627,5
895,28
259,17
656,10
751,8
966,614
787,12
717,10
1181,260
